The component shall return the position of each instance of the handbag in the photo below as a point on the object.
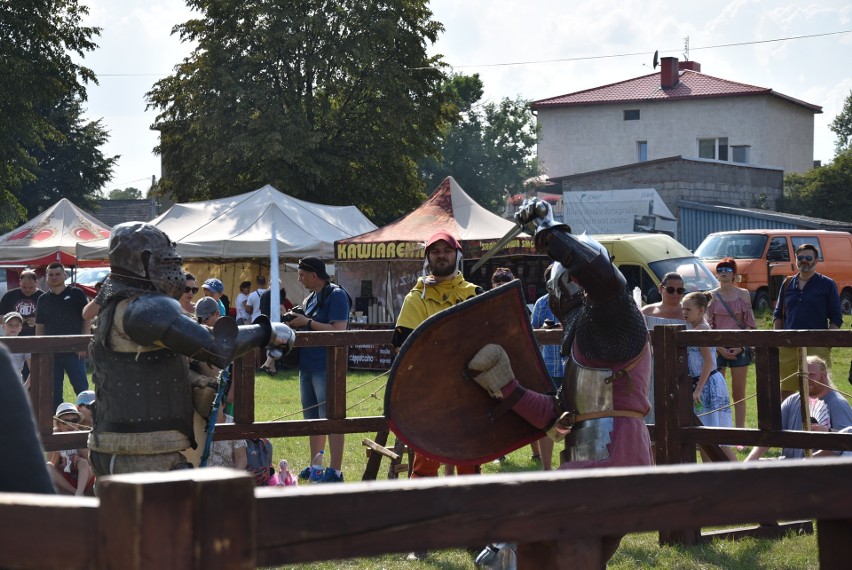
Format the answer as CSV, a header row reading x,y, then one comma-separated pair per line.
x,y
749,350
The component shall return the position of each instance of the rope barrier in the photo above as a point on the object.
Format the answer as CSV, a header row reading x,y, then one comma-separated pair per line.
x,y
349,391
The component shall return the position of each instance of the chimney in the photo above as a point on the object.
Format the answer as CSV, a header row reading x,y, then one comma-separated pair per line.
x,y
668,72
691,65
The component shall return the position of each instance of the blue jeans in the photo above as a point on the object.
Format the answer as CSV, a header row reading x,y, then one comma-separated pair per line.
x,y
312,390
75,367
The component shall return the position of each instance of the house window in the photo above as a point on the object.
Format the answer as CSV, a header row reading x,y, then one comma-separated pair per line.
x,y
631,114
642,148
714,149
740,153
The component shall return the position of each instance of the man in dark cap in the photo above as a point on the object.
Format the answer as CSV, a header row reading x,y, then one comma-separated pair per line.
x,y
326,309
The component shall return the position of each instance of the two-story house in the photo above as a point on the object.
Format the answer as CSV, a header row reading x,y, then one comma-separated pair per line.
x,y
678,111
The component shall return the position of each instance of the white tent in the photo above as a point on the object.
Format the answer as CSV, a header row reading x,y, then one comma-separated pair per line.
x,y
240,227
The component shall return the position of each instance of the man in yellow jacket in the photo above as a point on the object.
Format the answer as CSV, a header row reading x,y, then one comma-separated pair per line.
x,y
442,287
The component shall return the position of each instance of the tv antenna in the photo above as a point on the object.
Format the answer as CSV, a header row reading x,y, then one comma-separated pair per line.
x,y
686,48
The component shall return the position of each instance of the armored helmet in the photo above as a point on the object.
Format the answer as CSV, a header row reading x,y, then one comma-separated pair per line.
x,y
143,251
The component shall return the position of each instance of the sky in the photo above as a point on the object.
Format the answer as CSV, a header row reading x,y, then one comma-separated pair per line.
x,y
532,50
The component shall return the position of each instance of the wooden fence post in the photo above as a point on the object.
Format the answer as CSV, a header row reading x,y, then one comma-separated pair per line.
x,y
190,519
41,390
833,542
337,360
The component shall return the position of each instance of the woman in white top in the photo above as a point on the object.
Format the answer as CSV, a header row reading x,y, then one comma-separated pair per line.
x,y
667,312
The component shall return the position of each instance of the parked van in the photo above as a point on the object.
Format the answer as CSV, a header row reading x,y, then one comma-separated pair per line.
x,y
765,257
644,259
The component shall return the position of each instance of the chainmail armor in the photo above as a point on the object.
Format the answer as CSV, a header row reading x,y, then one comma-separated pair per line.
x,y
613,331
121,286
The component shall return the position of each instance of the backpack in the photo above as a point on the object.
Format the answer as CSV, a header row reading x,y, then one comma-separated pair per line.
x,y
259,459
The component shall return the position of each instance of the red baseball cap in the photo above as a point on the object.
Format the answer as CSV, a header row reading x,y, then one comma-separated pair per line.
x,y
443,235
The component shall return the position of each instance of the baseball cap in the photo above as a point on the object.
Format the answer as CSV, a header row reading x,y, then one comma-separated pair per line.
x,y
86,398
314,264
442,235
206,307
67,408
214,285
12,315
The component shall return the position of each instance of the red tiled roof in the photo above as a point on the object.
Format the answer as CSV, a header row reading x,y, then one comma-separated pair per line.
x,y
692,85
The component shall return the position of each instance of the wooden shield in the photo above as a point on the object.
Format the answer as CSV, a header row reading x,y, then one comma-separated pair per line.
x,y
435,409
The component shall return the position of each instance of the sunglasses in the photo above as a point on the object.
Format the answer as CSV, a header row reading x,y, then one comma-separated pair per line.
x,y
805,257
671,290
70,419
724,270
192,290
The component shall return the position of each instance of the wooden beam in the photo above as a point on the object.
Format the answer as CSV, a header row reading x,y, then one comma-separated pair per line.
x,y
421,514
196,519
29,519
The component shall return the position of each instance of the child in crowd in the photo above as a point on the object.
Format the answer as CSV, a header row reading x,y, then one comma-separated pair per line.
x,y
710,393
284,478
69,469
13,322
88,407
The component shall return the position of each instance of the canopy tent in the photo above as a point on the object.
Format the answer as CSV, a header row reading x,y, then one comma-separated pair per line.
x,y
378,268
240,227
51,236
448,208
229,237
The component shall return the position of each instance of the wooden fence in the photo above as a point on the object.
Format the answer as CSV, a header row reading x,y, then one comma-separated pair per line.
x,y
215,518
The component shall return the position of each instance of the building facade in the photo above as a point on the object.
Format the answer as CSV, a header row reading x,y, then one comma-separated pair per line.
x,y
676,112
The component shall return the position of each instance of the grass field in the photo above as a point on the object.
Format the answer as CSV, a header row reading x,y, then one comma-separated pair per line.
x,y
278,399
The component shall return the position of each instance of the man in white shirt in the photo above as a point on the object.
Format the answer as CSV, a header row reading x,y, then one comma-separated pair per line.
x,y
243,316
253,301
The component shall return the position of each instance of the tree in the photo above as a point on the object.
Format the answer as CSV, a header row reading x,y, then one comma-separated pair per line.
x,y
69,165
822,192
489,149
126,194
327,100
842,127
38,70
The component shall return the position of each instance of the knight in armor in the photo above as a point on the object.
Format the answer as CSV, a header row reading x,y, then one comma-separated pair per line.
x,y
600,408
141,350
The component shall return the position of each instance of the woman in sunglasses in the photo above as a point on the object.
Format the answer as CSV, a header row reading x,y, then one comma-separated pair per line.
x,y
666,312
731,309
189,292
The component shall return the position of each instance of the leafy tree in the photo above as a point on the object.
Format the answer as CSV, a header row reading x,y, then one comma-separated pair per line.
x,y
842,127
126,194
489,149
69,165
821,192
40,38
327,100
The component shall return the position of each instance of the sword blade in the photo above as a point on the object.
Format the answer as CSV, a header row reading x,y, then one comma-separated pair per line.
x,y
512,234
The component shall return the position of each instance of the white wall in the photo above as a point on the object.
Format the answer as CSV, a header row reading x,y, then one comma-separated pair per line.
x,y
595,137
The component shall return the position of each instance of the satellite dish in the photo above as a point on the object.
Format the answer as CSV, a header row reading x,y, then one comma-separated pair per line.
x,y
656,59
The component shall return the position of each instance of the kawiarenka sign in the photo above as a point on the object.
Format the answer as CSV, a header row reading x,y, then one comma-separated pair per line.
x,y
406,250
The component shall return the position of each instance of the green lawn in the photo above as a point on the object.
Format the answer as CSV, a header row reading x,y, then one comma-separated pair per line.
x,y
278,399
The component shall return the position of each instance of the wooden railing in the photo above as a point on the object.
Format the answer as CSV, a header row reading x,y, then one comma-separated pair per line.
x,y
558,519
215,518
245,422
676,435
